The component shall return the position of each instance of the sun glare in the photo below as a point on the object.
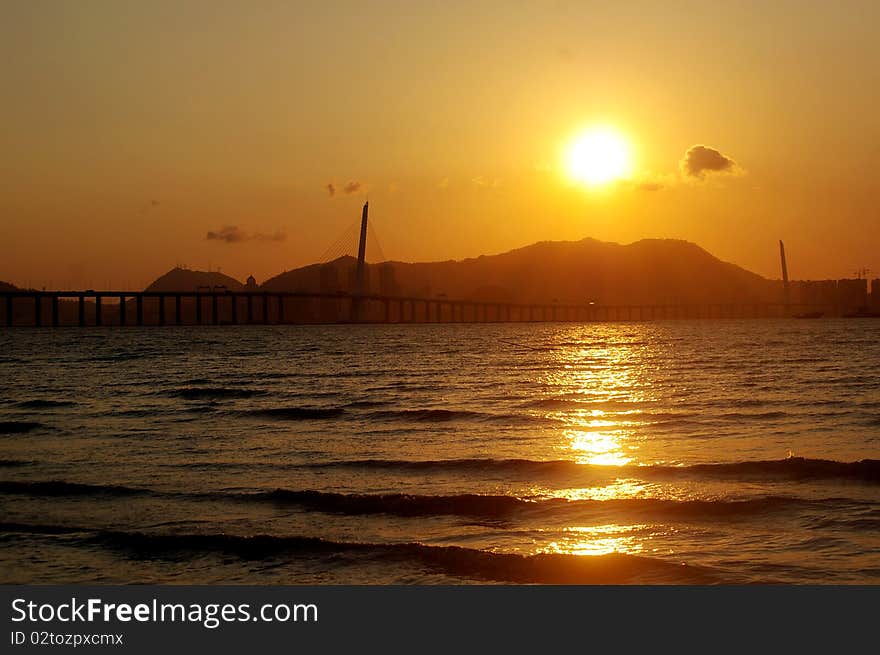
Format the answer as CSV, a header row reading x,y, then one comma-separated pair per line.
x,y
598,157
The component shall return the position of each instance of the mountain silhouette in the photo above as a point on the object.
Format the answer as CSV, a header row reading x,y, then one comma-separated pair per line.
x,y
184,279
650,271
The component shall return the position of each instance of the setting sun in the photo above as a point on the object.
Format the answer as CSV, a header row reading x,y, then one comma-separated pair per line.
x,y
597,157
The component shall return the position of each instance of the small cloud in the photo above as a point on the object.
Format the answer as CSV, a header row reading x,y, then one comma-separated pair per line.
x,y
649,186
393,187
352,187
331,189
479,181
700,160
234,234
228,233
443,184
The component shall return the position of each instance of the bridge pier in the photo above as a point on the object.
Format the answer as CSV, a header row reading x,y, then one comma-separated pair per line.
x,y
324,307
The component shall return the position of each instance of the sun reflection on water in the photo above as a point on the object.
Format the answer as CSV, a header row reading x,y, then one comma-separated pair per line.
x,y
600,392
598,540
597,447
596,396
619,488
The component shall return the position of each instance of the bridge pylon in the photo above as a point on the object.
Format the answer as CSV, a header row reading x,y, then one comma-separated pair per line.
x,y
360,274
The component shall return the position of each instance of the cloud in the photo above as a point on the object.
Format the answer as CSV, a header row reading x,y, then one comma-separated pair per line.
x,y
443,184
228,233
331,189
650,186
234,234
700,160
352,187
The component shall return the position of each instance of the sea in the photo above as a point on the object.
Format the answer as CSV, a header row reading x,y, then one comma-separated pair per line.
x,y
678,452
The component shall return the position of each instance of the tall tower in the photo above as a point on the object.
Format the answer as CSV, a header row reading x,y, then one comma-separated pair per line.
x,y
362,253
360,273
785,288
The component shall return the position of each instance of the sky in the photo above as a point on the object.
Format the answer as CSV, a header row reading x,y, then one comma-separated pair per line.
x,y
245,136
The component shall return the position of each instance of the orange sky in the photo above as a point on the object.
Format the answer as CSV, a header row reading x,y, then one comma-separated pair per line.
x,y
132,130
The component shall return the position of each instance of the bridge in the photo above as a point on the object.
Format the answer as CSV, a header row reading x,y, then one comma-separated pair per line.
x,y
121,308
256,307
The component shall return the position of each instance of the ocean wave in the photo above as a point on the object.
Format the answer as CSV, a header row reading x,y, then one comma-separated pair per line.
x,y
470,563
749,416
366,404
19,427
429,415
792,468
28,528
207,393
60,488
146,412
122,356
295,413
478,506
583,403
501,506
44,404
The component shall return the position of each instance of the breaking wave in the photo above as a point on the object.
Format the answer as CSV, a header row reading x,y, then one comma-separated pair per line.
x,y
549,568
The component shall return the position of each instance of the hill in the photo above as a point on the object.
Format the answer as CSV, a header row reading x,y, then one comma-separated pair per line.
x,y
183,279
651,271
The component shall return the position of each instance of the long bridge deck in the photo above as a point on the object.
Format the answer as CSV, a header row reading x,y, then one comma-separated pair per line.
x,y
221,307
